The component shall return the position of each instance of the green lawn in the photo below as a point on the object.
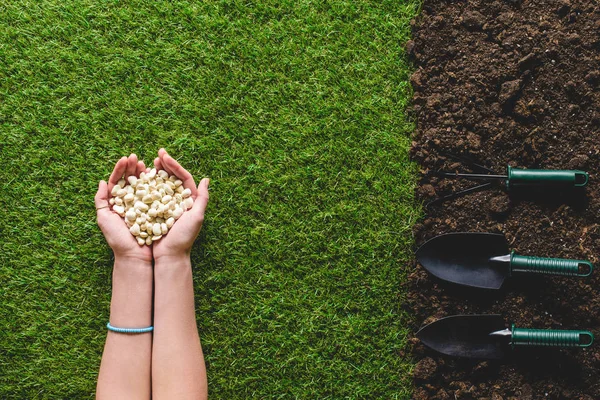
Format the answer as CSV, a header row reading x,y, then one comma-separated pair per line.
x,y
295,109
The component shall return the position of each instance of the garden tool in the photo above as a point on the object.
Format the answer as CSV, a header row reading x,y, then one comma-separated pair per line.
x,y
483,260
486,337
516,178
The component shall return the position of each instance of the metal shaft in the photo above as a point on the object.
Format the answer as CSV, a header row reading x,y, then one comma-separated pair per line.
x,y
474,176
504,332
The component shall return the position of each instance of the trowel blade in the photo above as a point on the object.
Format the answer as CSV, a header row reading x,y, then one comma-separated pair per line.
x,y
466,258
466,336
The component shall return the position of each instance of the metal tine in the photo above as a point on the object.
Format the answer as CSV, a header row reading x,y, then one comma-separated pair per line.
x,y
467,161
458,194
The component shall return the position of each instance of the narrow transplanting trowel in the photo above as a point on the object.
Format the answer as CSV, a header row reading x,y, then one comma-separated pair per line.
x,y
483,260
486,336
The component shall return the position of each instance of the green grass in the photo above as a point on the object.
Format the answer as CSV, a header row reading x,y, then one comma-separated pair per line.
x,y
295,109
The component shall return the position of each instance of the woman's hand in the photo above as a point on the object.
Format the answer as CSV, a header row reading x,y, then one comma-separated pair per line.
x,y
112,224
180,238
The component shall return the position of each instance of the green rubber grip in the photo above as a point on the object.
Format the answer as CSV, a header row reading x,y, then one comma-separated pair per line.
x,y
550,338
545,177
549,266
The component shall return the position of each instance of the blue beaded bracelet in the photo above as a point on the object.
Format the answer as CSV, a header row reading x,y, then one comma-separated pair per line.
x,y
129,330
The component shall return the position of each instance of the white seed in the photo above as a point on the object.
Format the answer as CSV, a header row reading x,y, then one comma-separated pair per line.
x,y
119,201
121,192
170,222
156,229
151,174
178,183
156,237
169,191
143,176
129,197
178,197
121,183
119,210
177,213
140,206
143,234
189,202
141,241
129,223
148,240
135,229
179,189
156,196
163,174
129,189
186,193
147,199
170,185
152,212
166,199
115,189
132,180
163,228
172,178
111,201
131,215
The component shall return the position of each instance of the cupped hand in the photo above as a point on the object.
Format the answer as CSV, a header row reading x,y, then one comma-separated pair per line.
x,y
112,224
180,238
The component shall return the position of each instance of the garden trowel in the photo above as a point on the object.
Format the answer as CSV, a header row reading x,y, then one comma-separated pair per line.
x,y
483,260
486,336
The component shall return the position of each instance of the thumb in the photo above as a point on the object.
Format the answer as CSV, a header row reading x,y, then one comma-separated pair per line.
x,y
201,200
101,198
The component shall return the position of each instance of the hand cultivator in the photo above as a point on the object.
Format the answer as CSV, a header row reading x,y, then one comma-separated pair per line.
x,y
483,260
486,337
516,179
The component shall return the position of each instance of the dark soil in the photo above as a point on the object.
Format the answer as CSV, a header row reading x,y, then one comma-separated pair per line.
x,y
510,82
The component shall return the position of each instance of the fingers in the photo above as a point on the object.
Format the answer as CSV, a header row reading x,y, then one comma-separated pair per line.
x,y
140,168
131,165
117,173
161,154
170,164
101,198
201,200
158,165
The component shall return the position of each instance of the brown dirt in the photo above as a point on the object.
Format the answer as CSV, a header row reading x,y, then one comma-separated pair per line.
x,y
510,82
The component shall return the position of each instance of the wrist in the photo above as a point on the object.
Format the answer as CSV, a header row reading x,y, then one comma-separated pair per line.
x,y
175,258
133,259
132,266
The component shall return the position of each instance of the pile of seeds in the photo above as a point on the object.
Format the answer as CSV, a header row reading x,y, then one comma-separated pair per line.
x,y
150,204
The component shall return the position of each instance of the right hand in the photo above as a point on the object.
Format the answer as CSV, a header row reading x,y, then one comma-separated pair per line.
x,y
180,238
112,225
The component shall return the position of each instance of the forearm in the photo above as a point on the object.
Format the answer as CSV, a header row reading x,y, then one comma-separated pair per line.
x,y
178,363
125,370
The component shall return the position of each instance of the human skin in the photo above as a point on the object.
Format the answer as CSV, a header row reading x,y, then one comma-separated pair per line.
x,y
167,363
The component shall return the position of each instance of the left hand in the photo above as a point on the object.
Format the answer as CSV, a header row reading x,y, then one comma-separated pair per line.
x,y
112,225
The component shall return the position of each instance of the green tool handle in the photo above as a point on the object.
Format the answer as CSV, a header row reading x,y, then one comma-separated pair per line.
x,y
520,178
550,337
549,266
